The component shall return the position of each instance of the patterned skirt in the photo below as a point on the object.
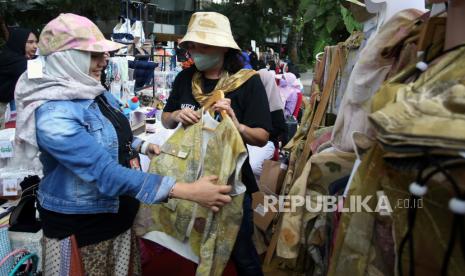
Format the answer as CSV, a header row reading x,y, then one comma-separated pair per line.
x,y
117,256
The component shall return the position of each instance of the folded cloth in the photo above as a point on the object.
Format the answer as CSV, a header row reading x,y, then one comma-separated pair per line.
x,y
143,71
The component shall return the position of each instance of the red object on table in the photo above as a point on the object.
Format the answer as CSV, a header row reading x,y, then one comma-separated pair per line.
x,y
10,124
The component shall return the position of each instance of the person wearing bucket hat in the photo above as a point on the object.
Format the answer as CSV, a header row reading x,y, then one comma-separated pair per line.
x,y
218,68
92,183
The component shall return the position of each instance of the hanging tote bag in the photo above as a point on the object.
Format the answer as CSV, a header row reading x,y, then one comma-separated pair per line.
x,y
31,268
6,263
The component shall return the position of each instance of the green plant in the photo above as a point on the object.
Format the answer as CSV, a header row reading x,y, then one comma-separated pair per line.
x,y
349,21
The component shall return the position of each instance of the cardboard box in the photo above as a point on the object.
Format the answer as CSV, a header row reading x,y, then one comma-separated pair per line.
x,y
261,217
272,177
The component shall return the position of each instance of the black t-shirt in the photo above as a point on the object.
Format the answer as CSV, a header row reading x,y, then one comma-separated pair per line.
x,y
249,102
94,228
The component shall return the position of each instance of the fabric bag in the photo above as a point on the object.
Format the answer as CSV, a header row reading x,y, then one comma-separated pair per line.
x,y
5,248
31,261
122,32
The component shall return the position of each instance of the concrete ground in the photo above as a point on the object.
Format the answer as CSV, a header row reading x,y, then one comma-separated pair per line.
x,y
306,79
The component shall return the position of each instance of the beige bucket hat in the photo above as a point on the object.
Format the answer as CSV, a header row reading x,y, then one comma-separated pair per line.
x,y
209,28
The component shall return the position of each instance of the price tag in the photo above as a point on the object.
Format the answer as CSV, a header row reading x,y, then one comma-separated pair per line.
x,y
34,68
10,187
6,149
260,209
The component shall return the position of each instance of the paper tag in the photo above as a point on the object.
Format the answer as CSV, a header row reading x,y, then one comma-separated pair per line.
x,y
34,68
10,187
6,149
260,209
182,154
354,171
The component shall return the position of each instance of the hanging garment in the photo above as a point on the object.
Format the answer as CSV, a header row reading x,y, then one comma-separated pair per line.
x,y
358,247
137,31
432,227
122,32
366,78
320,171
429,112
319,115
190,153
351,51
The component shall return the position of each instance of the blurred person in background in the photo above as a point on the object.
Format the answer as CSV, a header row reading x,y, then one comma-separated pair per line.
x,y
20,46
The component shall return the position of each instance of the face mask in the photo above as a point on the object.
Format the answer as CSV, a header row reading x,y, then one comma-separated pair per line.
x,y
204,62
267,67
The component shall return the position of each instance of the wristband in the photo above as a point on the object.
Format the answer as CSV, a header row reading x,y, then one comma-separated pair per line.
x,y
143,148
170,195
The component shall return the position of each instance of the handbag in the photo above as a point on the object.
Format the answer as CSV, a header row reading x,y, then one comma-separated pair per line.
x,y
5,248
23,218
31,267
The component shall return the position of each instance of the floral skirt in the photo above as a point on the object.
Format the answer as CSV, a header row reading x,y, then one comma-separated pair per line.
x,y
117,256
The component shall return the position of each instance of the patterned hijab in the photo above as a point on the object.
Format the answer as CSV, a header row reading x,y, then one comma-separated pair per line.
x,y
272,90
288,86
65,77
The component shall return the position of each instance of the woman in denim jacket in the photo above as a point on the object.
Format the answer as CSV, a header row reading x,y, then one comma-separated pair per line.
x,y
92,186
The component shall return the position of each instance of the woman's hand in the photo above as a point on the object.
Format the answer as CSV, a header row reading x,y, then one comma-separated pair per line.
x,y
225,104
252,136
152,150
186,116
204,192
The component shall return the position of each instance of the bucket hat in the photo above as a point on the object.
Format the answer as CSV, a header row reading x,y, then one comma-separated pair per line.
x,y
71,31
210,28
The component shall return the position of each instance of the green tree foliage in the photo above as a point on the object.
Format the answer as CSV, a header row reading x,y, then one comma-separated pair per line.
x,y
248,21
312,24
327,23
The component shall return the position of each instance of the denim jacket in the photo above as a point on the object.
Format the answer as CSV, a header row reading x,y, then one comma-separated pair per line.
x,y
79,153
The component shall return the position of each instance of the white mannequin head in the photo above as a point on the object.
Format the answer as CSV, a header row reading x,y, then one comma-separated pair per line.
x,y
388,8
